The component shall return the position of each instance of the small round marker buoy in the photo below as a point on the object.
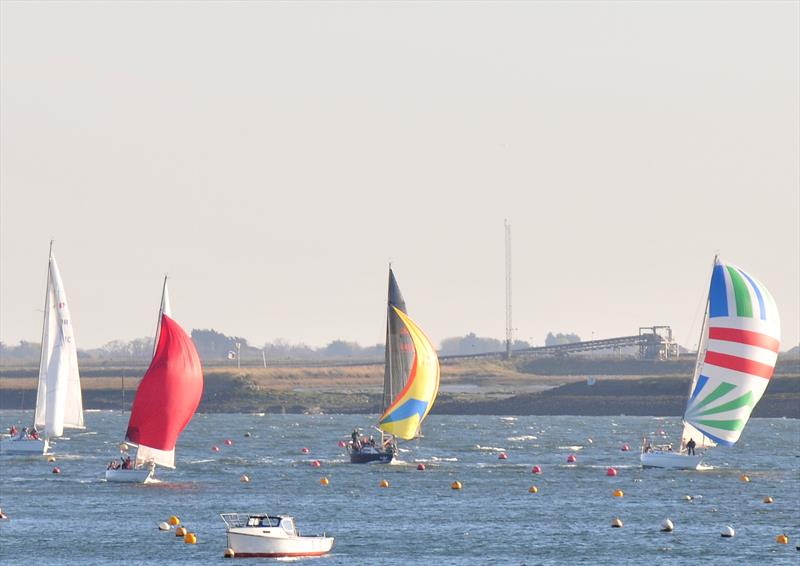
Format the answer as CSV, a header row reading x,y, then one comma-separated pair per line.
x,y
626,448
247,435
782,539
687,497
502,456
611,472
342,444
316,464
421,467
619,493
123,447
456,485
244,478
190,538
174,521
3,516
571,459
56,470
163,526
533,489
228,442
229,553
768,499
667,526
744,478
51,458
536,470
384,483
616,523
324,481
727,532
215,448
589,440
304,450
180,532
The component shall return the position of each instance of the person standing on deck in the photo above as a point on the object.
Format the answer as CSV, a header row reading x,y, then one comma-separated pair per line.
x,y
690,447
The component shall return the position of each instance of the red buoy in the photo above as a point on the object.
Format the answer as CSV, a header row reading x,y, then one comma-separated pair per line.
x,y
611,472
304,450
215,448
228,442
536,470
342,444
421,467
571,459
316,464
626,448
56,470
502,456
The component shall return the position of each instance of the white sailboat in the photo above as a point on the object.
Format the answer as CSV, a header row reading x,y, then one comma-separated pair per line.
x,y
58,398
739,344
166,400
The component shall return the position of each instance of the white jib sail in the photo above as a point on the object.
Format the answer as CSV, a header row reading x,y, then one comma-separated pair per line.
x,y
58,402
146,454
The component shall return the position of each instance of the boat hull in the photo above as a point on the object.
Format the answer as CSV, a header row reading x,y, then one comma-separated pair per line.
x,y
362,457
128,476
24,447
673,460
252,542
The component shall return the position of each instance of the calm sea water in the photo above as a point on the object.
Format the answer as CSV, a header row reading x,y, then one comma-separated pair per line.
x,y
77,518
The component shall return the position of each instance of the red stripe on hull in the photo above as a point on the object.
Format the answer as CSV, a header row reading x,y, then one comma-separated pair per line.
x,y
277,554
739,364
744,337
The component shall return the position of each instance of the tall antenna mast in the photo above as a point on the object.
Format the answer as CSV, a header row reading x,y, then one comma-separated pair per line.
x,y
509,329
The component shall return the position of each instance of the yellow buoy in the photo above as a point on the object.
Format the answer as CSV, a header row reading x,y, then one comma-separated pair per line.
x,y
244,479
324,481
782,539
174,521
180,532
456,485
384,483
616,523
190,538
229,553
533,489
51,458
744,478
768,499
619,493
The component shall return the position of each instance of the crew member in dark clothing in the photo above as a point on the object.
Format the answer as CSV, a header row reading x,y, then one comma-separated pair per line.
x,y
690,447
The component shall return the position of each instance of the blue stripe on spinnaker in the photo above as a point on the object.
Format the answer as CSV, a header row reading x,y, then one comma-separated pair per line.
x,y
407,409
718,294
758,294
716,439
701,382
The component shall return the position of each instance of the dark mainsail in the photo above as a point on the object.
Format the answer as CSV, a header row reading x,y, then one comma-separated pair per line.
x,y
399,346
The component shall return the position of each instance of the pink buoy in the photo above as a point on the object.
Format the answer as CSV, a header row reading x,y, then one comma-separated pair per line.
x,y
571,459
228,442
502,456
316,464
56,470
342,444
215,448
421,467
304,450
536,470
611,472
626,448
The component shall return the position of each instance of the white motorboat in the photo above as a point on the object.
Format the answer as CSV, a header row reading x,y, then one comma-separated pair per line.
x,y
271,536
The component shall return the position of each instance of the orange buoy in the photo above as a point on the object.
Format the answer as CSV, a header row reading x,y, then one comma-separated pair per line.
x,y
244,478
228,442
502,456
625,448
616,523
215,448
305,450
421,467
384,483
782,539
744,478
611,472
324,481
174,521
456,485
190,538
316,464
56,470
536,470
768,499
180,532
571,459
229,553
533,489
51,458
619,493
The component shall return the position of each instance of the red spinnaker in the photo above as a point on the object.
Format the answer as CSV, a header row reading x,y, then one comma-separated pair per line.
x,y
169,392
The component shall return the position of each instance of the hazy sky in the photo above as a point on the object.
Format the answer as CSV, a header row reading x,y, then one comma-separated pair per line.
x,y
274,157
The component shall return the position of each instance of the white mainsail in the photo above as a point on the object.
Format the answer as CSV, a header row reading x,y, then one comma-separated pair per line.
x,y
58,401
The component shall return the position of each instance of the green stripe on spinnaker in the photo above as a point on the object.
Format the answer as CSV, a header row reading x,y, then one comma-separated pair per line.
x,y
722,389
738,403
738,424
744,304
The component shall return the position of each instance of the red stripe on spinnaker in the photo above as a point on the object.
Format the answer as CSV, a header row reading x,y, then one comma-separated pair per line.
x,y
744,337
736,363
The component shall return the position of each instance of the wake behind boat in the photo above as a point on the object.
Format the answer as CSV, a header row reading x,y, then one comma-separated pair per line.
x,y
59,404
739,344
166,400
271,536
410,384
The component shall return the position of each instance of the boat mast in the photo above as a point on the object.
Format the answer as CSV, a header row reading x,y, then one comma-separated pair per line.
x,y
160,313
387,383
44,327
